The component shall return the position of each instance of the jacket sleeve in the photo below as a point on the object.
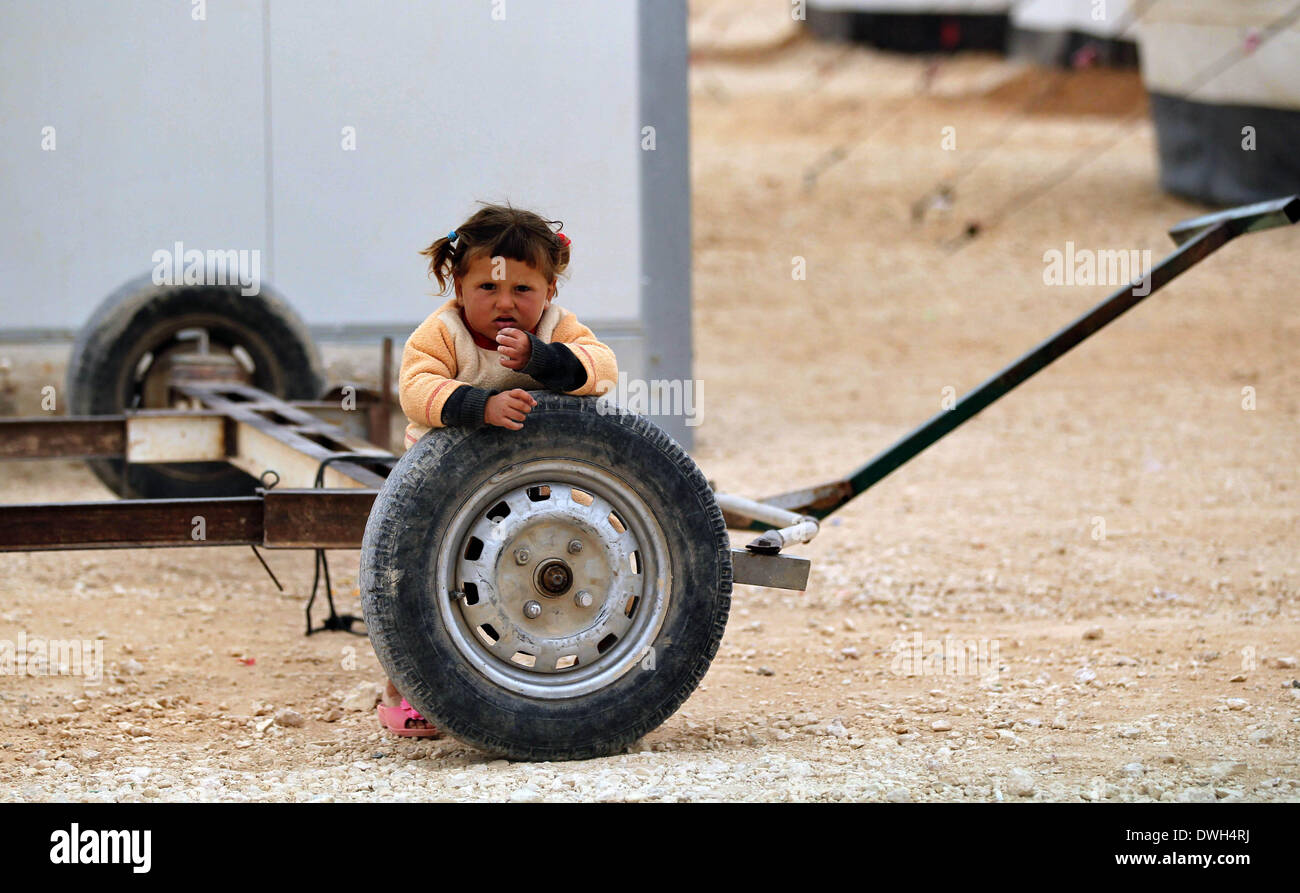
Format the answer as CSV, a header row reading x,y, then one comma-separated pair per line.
x,y
428,373
597,360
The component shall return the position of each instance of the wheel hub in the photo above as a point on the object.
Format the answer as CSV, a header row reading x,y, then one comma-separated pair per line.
x,y
532,611
554,577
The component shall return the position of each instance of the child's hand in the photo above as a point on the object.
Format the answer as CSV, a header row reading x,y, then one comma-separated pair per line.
x,y
508,409
515,347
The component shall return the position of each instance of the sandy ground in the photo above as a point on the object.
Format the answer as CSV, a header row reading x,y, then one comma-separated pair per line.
x,y
1115,542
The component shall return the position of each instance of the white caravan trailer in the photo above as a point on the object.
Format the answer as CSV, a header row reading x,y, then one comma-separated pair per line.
x,y
326,142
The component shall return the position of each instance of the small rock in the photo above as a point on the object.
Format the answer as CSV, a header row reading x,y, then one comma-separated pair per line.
x,y
363,697
851,653
1197,795
334,714
1282,663
290,719
1130,732
1227,769
941,725
1020,783
132,667
1093,632
525,795
1262,736
1085,675
1134,770
1240,677
836,728
766,671
1236,703
898,794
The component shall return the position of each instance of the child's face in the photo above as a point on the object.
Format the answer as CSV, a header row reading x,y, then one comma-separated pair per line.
x,y
516,299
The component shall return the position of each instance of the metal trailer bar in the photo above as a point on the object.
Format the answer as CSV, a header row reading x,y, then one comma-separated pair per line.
x,y
1198,238
311,518
252,430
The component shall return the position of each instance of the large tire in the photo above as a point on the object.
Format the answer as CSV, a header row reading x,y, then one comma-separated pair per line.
x,y
142,318
666,617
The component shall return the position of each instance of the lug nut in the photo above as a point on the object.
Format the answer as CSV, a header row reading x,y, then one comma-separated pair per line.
x,y
532,610
583,598
521,556
575,546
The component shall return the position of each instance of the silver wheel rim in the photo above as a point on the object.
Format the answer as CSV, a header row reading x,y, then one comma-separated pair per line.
x,y
510,544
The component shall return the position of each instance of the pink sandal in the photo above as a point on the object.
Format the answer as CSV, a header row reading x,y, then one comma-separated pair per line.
x,y
399,720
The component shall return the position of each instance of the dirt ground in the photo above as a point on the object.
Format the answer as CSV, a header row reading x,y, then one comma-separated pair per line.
x,y
1114,542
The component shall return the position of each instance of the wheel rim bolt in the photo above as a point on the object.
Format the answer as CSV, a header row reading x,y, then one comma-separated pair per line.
x,y
532,610
583,598
575,546
521,556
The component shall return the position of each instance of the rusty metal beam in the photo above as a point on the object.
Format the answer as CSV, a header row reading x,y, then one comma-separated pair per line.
x,y
67,437
131,524
316,518
270,434
312,518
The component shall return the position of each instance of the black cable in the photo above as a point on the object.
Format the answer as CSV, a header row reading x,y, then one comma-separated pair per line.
x,y
1019,115
840,153
1095,150
335,621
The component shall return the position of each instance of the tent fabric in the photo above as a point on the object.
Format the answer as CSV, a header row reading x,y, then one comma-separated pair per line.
x,y
1200,147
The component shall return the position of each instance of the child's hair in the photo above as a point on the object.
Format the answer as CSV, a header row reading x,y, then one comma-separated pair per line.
x,y
499,231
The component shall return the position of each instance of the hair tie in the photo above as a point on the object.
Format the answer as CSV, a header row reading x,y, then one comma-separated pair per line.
x,y
451,236
564,240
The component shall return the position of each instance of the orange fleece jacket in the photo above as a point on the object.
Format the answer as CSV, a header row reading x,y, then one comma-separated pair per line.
x,y
441,357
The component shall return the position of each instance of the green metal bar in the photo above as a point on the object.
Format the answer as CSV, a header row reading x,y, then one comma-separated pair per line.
x,y
1197,238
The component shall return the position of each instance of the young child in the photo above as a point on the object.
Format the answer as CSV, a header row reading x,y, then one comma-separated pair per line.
x,y
473,361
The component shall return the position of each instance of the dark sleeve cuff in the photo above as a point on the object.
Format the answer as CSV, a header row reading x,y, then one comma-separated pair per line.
x,y
464,408
556,367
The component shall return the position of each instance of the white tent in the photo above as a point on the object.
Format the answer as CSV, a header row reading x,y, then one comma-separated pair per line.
x,y
1064,32
913,25
1224,80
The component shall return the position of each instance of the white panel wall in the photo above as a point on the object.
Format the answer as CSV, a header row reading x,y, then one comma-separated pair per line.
x,y
450,106
158,128
167,131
